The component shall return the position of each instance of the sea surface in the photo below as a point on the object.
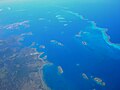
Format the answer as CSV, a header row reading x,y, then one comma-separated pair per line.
x,y
90,53
106,14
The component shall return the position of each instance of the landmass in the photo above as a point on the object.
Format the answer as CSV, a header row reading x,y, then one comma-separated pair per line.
x,y
60,70
56,42
99,81
21,68
85,76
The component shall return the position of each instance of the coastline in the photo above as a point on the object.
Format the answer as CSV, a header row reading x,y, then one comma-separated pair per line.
x,y
42,80
42,76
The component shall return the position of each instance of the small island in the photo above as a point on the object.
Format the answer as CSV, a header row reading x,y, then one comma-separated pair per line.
x,y
60,70
99,81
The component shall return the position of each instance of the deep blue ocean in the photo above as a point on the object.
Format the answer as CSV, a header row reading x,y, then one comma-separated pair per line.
x,y
97,59
106,14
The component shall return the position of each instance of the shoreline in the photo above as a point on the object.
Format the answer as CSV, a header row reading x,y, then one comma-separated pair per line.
x,y
44,63
42,76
